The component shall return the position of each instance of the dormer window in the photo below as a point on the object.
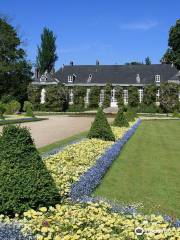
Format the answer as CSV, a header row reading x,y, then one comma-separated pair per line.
x,y
157,78
138,78
71,78
89,78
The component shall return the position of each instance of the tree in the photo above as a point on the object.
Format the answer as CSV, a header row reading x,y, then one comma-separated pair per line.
x,y
169,97
47,56
134,63
173,53
107,96
133,96
94,97
119,96
27,107
2,109
100,128
148,61
120,119
34,95
25,181
79,93
56,98
15,70
149,95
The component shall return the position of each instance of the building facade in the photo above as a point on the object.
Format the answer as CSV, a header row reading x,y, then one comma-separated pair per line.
x,y
116,75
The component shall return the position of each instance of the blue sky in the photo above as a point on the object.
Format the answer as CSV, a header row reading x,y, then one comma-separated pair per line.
x,y
112,31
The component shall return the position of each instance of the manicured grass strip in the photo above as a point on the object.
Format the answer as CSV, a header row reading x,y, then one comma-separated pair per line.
x,y
21,120
61,143
148,169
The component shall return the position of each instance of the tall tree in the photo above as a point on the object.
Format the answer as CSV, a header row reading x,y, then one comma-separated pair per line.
x,y
15,70
47,56
148,60
173,53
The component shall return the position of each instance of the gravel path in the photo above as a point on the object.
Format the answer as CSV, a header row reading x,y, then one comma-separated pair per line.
x,y
56,128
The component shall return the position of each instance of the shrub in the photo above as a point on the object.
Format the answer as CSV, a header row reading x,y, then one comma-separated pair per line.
x,y
56,98
119,96
176,114
94,97
120,119
2,109
131,114
107,96
28,108
79,93
25,181
13,107
100,128
133,96
34,96
143,108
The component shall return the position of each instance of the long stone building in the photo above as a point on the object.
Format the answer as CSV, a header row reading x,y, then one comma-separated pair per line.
x,y
99,75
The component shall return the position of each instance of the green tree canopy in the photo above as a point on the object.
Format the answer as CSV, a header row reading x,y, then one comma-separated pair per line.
x,y
15,70
148,61
173,53
47,56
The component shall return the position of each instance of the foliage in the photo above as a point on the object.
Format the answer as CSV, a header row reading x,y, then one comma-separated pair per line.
x,y
143,108
133,96
173,52
79,93
107,96
176,114
131,114
34,95
2,109
56,98
134,63
100,128
25,181
94,97
94,221
119,96
13,107
120,119
47,51
147,61
15,71
27,107
169,101
149,94
73,161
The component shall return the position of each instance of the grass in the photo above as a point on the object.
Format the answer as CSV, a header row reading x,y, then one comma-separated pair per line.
x,y
148,169
62,142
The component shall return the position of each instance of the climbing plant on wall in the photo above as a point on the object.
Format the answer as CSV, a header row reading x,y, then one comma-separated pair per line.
x,y
94,97
107,96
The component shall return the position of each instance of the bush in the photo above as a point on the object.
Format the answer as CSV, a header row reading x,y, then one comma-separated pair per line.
x,y
79,93
120,119
25,181
130,115
34,95
28,109
176,114
13,107
133,96
107,96
2,110
100,128
143,108
94,97
119,96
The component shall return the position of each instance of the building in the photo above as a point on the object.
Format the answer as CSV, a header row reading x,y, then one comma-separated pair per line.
x,y
99,75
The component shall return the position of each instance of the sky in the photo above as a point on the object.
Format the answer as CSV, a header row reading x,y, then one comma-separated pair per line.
x,y
111,31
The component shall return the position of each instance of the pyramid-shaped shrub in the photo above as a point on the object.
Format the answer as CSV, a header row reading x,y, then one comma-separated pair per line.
x,y
120,119
100,128
24,180
131,115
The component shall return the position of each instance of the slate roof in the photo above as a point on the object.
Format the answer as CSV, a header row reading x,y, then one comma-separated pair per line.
x,y
116,74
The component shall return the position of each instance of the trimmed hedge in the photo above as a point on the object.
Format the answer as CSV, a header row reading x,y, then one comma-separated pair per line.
x,y
120,119
100,128
25,181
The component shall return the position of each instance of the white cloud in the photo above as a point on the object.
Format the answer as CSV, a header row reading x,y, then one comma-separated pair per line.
x,y
144,25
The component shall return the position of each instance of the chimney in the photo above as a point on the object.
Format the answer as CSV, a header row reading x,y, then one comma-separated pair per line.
x,y
36,73
71,63
97,62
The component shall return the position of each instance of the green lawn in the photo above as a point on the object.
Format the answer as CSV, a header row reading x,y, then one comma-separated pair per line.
x,y
148,169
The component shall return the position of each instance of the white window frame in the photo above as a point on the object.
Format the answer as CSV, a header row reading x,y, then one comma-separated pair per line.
x,y
125,95
157,78
71,96
140,95
113,96
101,96
70,78
87,96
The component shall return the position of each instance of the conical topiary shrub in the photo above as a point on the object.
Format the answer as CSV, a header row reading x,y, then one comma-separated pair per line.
x,y
25,182
100,128
120,119
131,115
